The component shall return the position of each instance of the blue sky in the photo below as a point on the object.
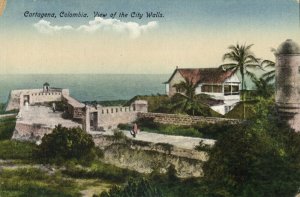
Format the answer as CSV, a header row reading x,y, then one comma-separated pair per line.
x,y
202,25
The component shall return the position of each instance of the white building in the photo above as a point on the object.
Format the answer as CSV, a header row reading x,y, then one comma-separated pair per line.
x,y
222,86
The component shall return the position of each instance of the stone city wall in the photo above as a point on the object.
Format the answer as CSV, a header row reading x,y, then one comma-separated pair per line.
x,y
30,132
16,97
41,97
110,117
145,157
184,120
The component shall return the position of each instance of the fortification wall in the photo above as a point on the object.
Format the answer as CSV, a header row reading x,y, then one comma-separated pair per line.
x,y
13,100
177,119
16,97
110,117
145,157
30,132
41,97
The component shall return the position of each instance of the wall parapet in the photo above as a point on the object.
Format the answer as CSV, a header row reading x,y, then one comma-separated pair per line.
x,y
115,109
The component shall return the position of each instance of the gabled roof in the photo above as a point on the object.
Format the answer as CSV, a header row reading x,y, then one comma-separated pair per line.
x,y
203,75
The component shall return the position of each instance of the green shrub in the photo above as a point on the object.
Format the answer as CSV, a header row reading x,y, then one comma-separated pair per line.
x,y
119,135
258,158
147,123
127,127
203,147
212,131
7,126
65,144
134,188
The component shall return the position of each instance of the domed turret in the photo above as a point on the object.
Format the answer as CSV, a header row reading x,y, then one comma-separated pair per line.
x,y
288,82
289,47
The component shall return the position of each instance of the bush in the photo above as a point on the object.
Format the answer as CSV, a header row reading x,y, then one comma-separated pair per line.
x,y
213,131
257,158
124,127
203,147
7,126
134,188
67,143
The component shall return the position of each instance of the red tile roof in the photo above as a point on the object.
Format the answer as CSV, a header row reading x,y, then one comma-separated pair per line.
x,y
204,75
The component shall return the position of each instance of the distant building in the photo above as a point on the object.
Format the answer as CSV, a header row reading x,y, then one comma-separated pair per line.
x,y
222,86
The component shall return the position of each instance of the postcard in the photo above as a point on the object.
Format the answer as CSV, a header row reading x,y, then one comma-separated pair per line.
x,y
152,98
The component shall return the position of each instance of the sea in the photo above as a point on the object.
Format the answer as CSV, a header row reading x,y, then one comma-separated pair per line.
x,y
88,87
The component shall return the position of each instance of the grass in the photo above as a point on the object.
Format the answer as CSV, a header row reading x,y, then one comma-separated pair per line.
x,y
102,171
11,149
33,182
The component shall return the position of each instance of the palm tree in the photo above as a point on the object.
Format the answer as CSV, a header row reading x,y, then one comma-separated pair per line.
x,y
263,87
187,100
241,59
270,75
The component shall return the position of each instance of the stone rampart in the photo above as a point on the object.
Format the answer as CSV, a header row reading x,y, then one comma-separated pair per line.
x,y
184,120
33,96
145,157
110,117
30,132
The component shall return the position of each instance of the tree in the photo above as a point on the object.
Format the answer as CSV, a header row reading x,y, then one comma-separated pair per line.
x,y
263,87
257,158
67,143
270,75
187,100
241,59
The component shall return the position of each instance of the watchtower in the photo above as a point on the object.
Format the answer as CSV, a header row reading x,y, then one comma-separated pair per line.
x,y
46,87
288,83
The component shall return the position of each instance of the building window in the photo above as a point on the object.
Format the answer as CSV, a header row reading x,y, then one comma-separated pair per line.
x,y
211,88
227,89
206,88
235,89
217,88
112,110
231,89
